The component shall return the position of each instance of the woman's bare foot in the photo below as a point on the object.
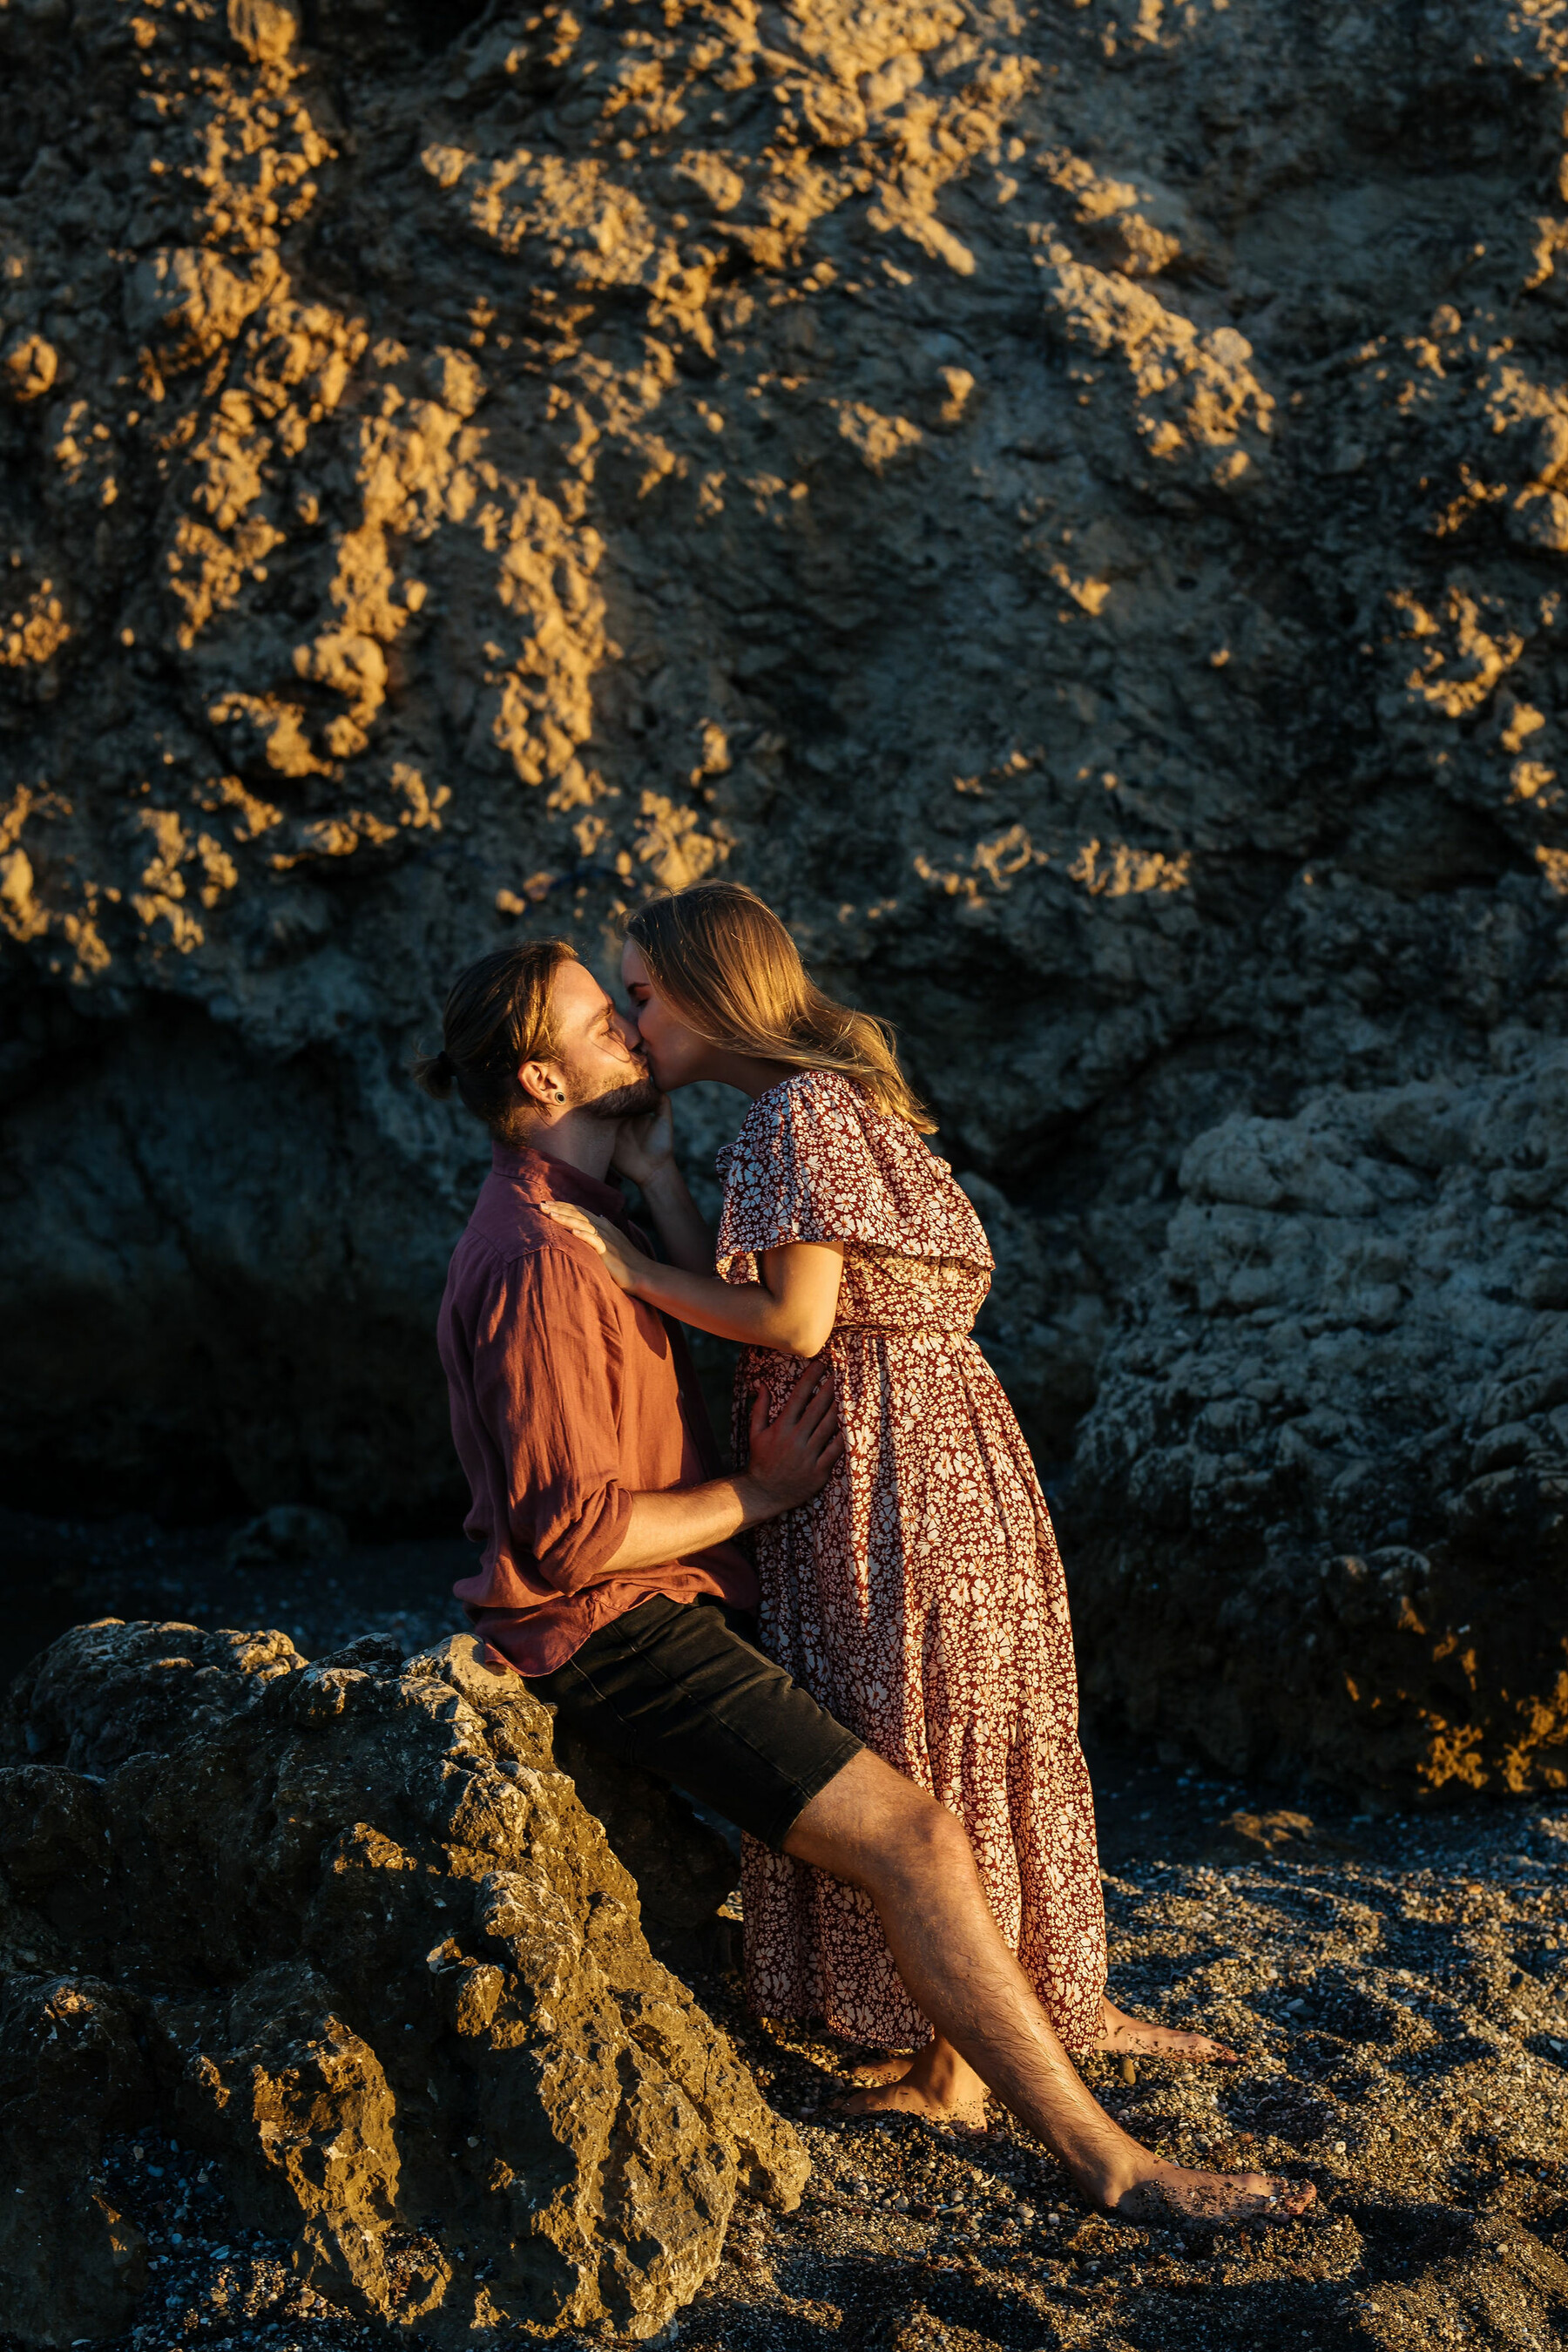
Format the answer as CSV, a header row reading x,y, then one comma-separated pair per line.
x,y
936,2082
1132,2037
1167,2194
890,2067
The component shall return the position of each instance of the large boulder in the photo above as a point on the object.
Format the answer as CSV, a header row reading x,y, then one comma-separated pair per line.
x,y
1321,1503
1071,505
347,1928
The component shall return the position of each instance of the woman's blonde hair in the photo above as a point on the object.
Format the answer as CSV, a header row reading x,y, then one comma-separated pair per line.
x,y
726,964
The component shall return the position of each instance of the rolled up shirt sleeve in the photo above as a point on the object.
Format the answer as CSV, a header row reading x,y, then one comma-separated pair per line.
x,y
552,1414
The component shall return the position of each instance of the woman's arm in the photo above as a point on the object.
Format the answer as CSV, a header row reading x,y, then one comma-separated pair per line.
x,y
679,1222
791,1308
645,1151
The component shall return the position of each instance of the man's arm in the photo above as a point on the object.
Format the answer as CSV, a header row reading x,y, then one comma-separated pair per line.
x,y
790,1460
546,1363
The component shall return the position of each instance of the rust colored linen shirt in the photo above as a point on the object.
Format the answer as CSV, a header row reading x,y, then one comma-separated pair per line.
x,y
568,1398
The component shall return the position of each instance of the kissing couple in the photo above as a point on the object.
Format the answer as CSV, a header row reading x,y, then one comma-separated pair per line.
x,y
877,1687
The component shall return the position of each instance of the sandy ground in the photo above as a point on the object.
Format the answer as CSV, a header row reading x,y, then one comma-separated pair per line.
x,y
1398,1991
1397,1987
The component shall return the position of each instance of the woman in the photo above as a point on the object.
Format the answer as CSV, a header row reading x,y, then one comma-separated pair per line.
x,y
920,1596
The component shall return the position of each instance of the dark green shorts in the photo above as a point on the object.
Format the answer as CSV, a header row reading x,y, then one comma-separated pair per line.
x,y
677,1687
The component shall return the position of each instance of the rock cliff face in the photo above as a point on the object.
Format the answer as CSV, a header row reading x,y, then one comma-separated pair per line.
x,y
1323,1493
346,1929
1064,498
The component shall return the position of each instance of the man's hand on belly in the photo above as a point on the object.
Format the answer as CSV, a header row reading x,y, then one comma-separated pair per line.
x,y
790,1459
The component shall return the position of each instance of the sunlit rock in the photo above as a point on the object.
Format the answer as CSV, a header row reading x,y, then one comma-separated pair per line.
x,y
347,1928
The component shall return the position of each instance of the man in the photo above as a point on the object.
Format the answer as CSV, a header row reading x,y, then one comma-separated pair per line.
x,y
609,1575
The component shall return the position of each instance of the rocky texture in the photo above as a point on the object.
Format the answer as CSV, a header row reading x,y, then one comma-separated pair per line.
x,y
1396,1993
1322,1499
286,1569
70,2263
1070,500
60,1573
1398,1990
346,1929
684,1866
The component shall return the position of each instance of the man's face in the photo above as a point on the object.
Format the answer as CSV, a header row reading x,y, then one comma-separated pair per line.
x,y
603,1069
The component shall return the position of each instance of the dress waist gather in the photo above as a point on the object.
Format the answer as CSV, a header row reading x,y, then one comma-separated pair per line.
x,y
926,1328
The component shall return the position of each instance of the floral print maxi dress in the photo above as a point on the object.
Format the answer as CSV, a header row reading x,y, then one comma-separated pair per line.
x,y
920,1596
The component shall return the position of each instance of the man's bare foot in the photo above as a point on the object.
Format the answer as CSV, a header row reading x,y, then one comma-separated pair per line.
x,y
1217,2201
1133,2037
936,2082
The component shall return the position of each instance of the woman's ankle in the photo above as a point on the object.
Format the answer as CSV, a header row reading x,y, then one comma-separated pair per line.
x,y
945,2072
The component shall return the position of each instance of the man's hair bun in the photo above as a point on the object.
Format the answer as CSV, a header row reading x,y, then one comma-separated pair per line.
x,y
437,1073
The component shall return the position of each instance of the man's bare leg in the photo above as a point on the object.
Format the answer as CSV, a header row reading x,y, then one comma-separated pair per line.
x,y
935,2082
874,1828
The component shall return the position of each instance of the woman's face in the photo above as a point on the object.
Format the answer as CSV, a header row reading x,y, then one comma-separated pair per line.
x,y
675,1053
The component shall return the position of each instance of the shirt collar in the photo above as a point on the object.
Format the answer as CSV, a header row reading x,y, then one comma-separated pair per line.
x,y
539,1178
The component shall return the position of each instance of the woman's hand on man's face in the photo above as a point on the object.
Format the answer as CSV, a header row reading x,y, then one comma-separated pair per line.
x,y
645,1148
623,1262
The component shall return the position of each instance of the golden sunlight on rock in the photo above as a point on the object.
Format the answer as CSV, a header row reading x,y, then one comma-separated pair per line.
x,y
1071,504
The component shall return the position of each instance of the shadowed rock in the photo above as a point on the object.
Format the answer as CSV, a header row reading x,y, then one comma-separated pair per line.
x,y
1321,1506
1071,504
70,2068
347,1929
1093,562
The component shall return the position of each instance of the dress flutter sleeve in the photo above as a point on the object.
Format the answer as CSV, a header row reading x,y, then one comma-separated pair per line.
x,y
816,1161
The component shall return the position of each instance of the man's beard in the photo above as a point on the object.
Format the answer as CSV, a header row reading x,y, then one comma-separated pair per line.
x,y
634,1101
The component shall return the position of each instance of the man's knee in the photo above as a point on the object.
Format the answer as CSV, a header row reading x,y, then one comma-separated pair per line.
x,y
874,1822
928,1834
